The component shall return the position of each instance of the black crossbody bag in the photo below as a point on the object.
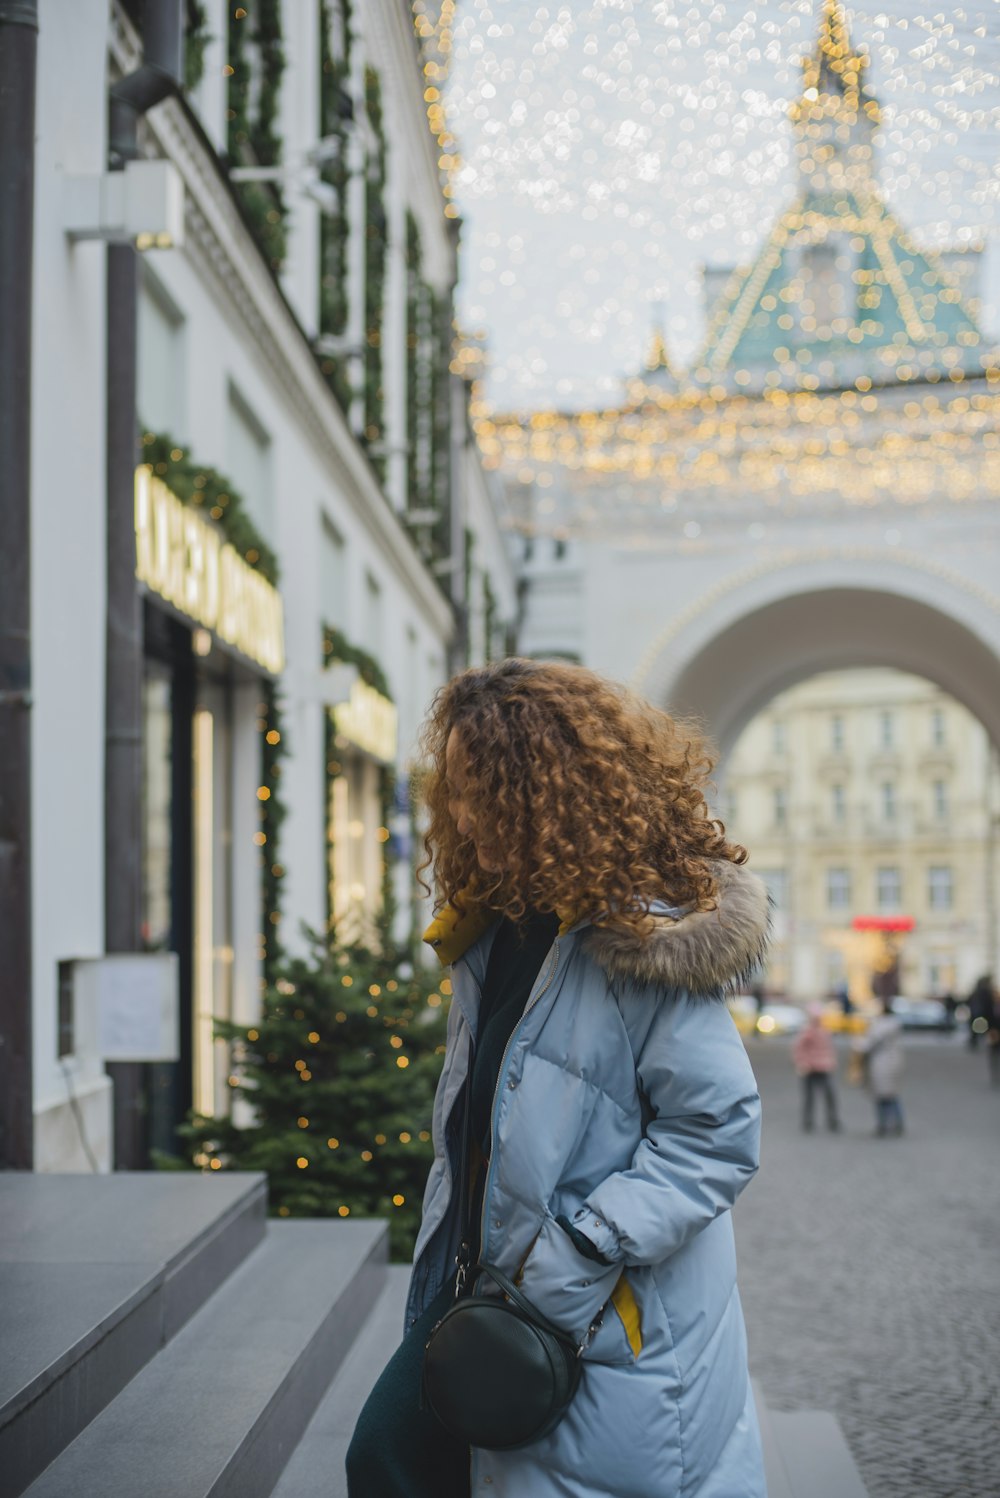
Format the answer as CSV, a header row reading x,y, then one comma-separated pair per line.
x,y
496,1373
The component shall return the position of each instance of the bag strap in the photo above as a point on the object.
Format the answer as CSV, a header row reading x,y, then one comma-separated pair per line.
x,y
532,1314
521,1301
464,1254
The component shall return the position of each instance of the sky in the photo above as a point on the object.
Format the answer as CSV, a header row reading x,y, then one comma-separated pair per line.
x,y
610,148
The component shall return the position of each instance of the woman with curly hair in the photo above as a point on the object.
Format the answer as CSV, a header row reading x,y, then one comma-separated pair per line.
x,y
594,917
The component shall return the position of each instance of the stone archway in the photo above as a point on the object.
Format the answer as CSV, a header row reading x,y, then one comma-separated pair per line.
x,y
764,630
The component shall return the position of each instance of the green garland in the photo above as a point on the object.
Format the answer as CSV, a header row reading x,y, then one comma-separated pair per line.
x,y
468,561
334,114
273,813
428,400
441,311
489,616
418,374
206,489
196,38
254,139
375,262
336,647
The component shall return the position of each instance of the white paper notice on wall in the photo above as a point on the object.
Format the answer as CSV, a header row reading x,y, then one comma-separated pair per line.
x,y
135,995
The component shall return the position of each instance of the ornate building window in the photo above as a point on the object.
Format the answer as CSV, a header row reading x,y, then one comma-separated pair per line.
x,y
780,806
939,886
837,733
838,804
887,800
938,735
838,888
888,887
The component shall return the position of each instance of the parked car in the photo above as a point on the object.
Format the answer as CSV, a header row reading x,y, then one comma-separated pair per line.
x,y
921,1014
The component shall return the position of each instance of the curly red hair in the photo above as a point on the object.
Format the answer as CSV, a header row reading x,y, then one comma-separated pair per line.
x,y
595,797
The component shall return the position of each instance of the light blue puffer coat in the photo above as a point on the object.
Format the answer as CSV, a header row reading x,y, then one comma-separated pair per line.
x,y
625,1100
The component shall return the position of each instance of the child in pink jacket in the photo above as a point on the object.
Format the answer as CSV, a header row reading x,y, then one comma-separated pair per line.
x,y
816,1061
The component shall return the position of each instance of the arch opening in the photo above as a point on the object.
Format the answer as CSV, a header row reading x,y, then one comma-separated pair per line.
x,y
728,679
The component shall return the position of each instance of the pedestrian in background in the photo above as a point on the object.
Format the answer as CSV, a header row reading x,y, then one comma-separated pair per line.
x,y
981,1004
816,1061
882,1047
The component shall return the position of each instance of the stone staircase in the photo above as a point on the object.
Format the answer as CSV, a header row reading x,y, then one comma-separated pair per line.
x,y
162,1337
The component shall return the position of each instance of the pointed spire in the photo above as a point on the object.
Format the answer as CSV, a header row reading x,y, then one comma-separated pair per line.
x,y
658,358
833,73
835,67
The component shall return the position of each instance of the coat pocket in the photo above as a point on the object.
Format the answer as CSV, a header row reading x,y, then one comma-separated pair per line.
x,y
570,1291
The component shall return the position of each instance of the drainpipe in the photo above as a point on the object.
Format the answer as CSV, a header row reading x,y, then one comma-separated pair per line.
x,y
128,100
18,49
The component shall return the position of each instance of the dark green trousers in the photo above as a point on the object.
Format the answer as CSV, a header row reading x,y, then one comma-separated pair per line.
x,y
399,1450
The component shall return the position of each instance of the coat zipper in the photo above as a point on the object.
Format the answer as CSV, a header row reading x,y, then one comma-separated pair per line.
x,y
532,1001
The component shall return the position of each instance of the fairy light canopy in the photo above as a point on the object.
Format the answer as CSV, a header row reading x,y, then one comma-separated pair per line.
x,y
612,149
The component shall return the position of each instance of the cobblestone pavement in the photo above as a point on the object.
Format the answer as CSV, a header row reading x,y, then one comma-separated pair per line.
x,y
870,1271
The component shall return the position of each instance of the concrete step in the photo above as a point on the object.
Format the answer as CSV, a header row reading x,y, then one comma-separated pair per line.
x,y
815,1455
806,1454
97,1273
316,1469
778,1484
218,1412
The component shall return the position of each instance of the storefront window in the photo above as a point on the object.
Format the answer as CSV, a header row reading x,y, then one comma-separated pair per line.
x,y
356,848
157,803
213,950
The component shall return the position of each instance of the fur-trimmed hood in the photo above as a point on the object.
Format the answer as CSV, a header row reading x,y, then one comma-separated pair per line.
x,y
705,951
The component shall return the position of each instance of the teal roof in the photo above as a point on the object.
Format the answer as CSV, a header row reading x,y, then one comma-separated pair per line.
x,y
879,305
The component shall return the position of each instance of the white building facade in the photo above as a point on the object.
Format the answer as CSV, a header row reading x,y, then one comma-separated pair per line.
x,y
321,547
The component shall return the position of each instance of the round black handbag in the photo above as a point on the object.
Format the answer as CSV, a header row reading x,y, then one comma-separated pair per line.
x,y
496,1373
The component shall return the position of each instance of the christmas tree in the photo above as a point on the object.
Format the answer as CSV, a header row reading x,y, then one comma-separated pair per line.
x,y
339,1074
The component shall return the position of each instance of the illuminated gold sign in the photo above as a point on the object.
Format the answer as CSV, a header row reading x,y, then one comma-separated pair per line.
x,y
184,559
369,721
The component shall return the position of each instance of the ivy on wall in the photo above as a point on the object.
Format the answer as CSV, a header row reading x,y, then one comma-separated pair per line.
x,y
255,67
418,374
489,618
336,112
337,648
206,489
428,400
196,38
375,263
441,477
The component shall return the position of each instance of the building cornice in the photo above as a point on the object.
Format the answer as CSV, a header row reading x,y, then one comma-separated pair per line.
x,y
221,247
